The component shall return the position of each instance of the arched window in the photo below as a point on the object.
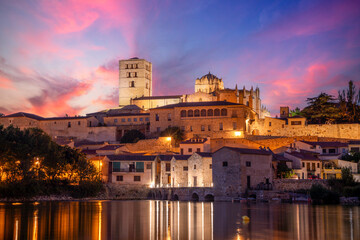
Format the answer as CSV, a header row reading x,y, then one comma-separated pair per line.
x,y
132,83
210,112
190,113
183,113
203,113
224,112
197,113
217,112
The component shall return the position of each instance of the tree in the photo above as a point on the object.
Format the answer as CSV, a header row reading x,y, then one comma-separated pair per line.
x,y
349,103
321,109
347,177
132,136
174,132
283,171
295,112
352,157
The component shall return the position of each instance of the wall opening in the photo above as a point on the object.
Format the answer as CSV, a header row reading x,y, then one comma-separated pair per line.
x,y
209,198
195,197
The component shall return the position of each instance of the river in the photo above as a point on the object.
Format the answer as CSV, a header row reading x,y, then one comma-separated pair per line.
x,y
176,220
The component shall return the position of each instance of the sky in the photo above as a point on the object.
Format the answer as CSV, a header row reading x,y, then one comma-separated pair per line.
x,y
61,57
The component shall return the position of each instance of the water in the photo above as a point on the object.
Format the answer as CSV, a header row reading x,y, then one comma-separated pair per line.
x,y
176,220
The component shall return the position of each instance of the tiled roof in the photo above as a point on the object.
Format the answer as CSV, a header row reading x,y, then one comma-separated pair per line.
x,y
304,156
194,141
164,157
131,157
24,114
280,157
199,104
128,114
327,144
89,151
204,154
63,118
87,142
158,97
248,151
111,147
354,142
181,157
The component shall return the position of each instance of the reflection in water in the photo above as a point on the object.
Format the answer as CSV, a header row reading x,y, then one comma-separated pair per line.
x,y
176,220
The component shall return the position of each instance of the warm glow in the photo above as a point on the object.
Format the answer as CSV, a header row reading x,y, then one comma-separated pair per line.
x,y
100,163
37,162
237,134
152,185
168,139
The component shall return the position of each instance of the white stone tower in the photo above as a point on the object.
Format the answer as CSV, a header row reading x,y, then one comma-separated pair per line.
x,y
135,80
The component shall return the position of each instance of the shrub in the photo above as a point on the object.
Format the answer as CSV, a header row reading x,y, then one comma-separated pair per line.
x,y
352,191
321,195
87,189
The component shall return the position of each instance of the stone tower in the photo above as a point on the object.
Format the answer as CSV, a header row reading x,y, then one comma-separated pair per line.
x,y
208,83
135,80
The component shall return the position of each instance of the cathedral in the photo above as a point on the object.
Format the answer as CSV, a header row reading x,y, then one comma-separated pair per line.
x,y
135,88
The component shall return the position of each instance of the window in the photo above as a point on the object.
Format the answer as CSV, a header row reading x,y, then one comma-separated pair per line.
x,y
167,166
303,164
135,74
190,113
115,120
194,166
203,113
157,117
79,123
202,128
169,116
119,178
126,66
139,167
147,119
185,168
225,164
209,127
132,83
248,163
332,150
181,151
247,103
296,123
128,74
210,166
141,119
129,119
198,150
148,166
116,167
191,129
123,120
136,66
318,165
183,113
220,126
54,122
196,113
189,149
69,124
217,112
313,166
135,119
324,151
210,112
269,124
158,129
137,178
224,112
234,125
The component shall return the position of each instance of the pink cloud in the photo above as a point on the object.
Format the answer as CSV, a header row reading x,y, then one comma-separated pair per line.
x,y
6,83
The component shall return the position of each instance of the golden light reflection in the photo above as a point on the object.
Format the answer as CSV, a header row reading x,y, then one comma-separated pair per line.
x,y
100,211
35,225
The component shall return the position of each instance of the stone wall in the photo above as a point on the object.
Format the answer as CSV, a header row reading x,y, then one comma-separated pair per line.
x,y
294,184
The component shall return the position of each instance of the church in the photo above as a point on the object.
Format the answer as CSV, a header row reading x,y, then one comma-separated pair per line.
x,y
135,88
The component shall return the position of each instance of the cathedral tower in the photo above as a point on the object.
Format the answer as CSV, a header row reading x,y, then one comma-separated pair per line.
x,y
135,80
208,83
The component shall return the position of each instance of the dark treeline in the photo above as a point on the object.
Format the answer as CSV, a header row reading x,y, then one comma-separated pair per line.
x,y
32,164
326,108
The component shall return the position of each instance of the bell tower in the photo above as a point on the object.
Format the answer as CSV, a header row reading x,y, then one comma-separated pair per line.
x,y
135,80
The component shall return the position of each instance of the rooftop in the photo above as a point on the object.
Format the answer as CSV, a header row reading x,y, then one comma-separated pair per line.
x,y
204,154
354,142
247,151
181,157
111,147
158,97
24,114
304,156
326,144
131,157
199,104
194,141
209,76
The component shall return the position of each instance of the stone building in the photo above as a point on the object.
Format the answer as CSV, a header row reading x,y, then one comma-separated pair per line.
x,y
208,83
306,164
135,80
200,170
195,145
204,119
237,169
179,170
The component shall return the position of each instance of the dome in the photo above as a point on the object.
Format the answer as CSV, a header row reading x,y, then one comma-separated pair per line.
x,y
209,76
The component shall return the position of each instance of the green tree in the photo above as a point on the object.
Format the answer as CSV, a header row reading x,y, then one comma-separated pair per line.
x,y
283,171
347,177
321,109
132,136
349,103
352,157
175,133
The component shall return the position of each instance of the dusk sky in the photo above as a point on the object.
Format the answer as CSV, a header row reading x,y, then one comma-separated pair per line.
x,y
61,57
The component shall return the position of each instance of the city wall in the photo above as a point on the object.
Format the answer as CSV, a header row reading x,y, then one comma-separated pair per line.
x,y
295,184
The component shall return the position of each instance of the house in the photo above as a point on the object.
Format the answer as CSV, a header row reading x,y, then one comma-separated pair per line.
x,y
236,170
132,169
179,170
200,170
325,149
354,146
163,170
109,149
101,164
195,145
305,164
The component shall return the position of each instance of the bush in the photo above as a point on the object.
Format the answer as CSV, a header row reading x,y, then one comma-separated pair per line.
x,y
352,191
87,189
321,195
